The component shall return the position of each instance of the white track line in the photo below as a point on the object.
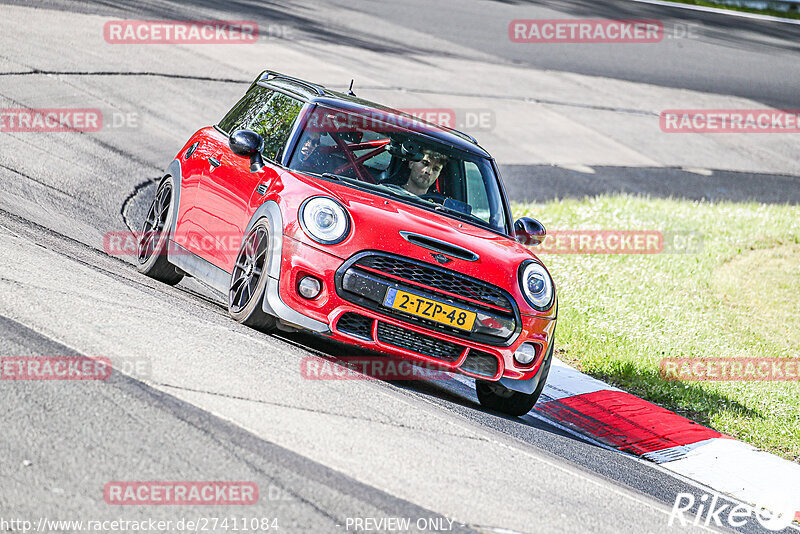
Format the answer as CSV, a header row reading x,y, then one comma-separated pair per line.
x,y
720,11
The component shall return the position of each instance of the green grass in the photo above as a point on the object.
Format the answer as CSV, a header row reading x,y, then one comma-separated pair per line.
x,y
772,12
736,296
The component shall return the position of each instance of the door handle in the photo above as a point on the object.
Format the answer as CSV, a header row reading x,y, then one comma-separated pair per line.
x,y
214,162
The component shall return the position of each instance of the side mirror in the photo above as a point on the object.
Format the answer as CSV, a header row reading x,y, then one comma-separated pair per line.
x,y
529,231
248,144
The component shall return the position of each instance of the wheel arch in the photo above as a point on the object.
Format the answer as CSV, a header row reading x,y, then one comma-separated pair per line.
x,y
273,304
174,172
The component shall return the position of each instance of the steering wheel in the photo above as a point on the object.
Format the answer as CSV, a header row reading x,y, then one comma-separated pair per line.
x,y
434,196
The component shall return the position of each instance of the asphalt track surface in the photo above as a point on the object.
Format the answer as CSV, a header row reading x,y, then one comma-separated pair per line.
x,y
216,401
708,52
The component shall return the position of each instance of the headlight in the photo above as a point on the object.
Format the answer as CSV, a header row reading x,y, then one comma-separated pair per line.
x,y
324,220
536,285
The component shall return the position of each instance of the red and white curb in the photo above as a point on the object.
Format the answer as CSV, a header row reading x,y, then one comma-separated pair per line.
x,y
627,423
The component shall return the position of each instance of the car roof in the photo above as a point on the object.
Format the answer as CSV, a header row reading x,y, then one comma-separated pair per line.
x,y
318,94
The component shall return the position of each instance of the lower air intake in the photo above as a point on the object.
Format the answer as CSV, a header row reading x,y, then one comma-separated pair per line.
x,y
480,363
419,343
356,325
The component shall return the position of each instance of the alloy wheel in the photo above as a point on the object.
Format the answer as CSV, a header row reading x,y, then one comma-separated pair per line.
x,y
154,223
248,269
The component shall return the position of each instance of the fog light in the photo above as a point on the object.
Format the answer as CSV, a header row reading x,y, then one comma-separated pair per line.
x,y
525,354
309,287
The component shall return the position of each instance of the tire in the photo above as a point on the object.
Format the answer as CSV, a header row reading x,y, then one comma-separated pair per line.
x,y
156,229
496,396
249,280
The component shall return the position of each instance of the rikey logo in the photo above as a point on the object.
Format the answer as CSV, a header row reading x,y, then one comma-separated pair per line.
x,y
441,258
711,509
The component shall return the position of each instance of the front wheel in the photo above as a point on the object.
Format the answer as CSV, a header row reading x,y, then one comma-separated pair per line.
x,y
495,396
249,280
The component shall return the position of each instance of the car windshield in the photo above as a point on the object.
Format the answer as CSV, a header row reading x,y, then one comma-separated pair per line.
x,y
377,152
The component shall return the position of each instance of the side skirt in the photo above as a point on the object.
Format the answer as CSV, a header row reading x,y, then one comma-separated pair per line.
x,y
199,268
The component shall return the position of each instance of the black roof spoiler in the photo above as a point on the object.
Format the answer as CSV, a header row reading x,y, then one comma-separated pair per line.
x,y
268,75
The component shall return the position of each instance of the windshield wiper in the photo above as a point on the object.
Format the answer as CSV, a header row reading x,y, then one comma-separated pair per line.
x,y
378,187
353,181
461,215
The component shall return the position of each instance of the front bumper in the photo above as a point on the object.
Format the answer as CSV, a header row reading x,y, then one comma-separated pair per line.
x,y
366,324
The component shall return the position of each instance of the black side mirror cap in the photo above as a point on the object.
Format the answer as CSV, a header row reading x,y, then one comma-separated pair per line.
x,y
248,144
529,231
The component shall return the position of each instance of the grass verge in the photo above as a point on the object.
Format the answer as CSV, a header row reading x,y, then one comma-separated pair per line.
x,y
737,294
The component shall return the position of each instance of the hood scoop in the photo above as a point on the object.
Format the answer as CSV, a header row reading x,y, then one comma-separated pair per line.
x,y
442,247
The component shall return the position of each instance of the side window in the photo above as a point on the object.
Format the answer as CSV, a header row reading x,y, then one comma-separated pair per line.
x,y
266,112
274,123
252,102
476,191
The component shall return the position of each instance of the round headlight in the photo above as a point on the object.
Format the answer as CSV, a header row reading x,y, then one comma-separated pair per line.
x,y
324,220
536,285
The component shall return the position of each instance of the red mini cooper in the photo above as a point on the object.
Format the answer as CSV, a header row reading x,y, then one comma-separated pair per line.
x,y
319,211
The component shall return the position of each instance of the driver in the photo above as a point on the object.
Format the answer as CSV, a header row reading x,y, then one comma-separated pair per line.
x,y
309,158
424,172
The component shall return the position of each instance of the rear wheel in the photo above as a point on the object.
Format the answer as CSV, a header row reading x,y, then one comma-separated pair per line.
x,y
249,280
495,396
152,249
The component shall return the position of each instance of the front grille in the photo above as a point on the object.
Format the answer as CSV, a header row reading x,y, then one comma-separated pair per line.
x,y
438,278
480,363
366,278
356,325
419,343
